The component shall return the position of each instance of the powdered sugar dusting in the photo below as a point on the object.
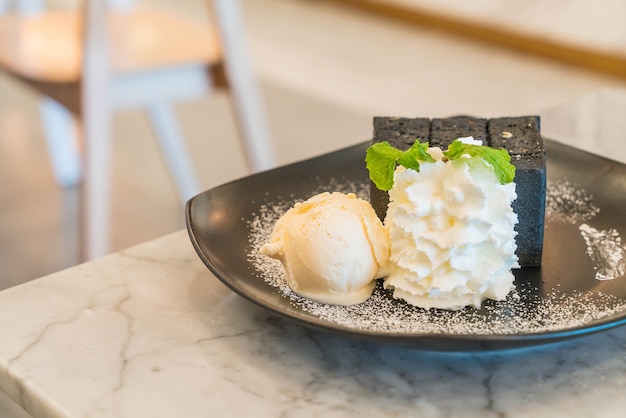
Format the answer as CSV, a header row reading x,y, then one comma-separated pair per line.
x,y
568,204
523,312
606,251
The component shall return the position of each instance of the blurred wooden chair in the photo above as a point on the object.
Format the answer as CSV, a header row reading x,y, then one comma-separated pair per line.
x,y
111,55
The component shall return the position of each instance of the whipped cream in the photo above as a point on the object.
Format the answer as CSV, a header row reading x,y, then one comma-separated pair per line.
x,y
332,247
452,234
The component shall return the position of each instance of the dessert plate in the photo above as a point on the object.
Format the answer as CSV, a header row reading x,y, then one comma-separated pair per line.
x,y
579,289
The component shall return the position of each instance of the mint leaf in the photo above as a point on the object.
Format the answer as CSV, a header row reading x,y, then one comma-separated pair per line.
x,y
411,157
499,159
381,159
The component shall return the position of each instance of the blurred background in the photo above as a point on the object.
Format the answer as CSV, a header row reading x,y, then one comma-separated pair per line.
x,y
324,68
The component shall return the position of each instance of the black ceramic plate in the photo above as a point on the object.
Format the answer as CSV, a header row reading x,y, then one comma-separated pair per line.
x,y
218,222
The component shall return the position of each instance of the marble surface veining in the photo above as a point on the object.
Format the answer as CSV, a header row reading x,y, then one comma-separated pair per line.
x,y
149,332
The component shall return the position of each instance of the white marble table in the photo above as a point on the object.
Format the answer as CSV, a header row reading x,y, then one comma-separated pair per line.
x,y
149,332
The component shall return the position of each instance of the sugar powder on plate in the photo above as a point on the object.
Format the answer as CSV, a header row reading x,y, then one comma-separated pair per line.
x,y
568,204
523,312
606,251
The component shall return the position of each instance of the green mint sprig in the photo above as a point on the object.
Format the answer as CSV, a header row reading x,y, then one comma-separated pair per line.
x,y
381,160
499,158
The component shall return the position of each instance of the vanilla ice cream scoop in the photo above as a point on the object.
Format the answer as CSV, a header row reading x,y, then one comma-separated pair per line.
x,y
332,246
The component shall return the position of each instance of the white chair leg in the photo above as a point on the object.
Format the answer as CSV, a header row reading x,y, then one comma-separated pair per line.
x,y
61,137
173,146
251,121
96,186
96,131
